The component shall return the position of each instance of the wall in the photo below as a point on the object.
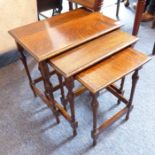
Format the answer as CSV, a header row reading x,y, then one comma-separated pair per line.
x,y
14,13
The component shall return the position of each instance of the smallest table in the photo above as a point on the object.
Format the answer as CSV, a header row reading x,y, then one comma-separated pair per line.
x,y
104,74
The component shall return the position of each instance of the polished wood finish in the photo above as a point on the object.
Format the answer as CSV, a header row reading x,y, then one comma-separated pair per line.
x,y
50,37
104,74
78,59
135,78
113,119
111,69
43,67
94,5
32,35
70,97
116,92
51,41
37,27
80,91
94,105
63,100
39,79
121,89
96,130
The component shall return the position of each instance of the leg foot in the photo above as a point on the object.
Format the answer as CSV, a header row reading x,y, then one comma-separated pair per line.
x,y
44,70
24,61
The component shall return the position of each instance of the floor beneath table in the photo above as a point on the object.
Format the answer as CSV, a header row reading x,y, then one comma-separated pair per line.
x,y
28,127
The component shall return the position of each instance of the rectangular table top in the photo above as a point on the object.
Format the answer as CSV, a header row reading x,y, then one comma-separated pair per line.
x,y
112,69
77,59
47,41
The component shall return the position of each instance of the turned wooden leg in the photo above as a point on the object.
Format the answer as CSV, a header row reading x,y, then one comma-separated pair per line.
x,y
135,78
94,105
70,98
121,89
63,100
43,67
24,61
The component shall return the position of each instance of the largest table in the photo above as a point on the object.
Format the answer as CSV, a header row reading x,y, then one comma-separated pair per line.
x,y
48,38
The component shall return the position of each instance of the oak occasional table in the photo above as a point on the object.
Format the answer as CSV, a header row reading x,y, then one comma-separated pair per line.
x,y
50,37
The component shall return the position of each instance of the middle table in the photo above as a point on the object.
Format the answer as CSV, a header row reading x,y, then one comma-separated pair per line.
x,y
71,62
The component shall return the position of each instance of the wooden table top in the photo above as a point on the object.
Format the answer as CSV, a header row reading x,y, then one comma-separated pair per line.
x,y
43,40
77,59
36,27
112,69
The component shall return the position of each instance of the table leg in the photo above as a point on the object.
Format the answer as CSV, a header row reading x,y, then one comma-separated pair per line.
x,y
70,98
121,88
135,78
94,105
137,20
63,100
24,61
43,67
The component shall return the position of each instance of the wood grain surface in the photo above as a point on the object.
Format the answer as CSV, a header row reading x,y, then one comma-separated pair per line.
x,y
77,59
44,40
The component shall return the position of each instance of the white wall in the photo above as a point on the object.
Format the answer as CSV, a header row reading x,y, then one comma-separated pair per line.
x,y
14,13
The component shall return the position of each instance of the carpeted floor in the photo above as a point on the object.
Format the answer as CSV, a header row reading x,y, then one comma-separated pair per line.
x,y
27,126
